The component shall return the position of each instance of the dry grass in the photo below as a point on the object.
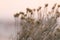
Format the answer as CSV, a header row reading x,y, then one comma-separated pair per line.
x,y
36,30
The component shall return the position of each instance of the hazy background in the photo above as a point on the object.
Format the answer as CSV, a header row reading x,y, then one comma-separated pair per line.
x,y
9,7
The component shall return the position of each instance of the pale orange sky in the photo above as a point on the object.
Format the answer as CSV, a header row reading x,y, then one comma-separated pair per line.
x,y
9,7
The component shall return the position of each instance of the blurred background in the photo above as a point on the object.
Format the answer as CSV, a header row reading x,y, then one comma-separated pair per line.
x,y
9,7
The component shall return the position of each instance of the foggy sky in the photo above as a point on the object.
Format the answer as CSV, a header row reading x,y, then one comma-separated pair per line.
x,y
9,7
